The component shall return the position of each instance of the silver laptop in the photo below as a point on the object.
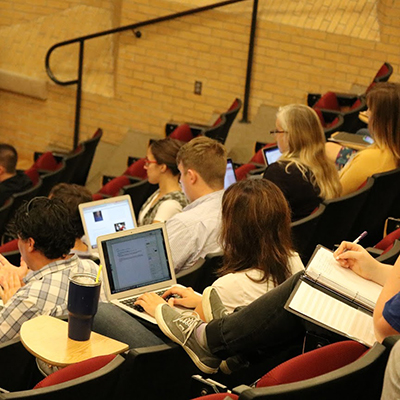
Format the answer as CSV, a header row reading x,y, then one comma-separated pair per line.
x,y
230,176
136,262
271,155
114,214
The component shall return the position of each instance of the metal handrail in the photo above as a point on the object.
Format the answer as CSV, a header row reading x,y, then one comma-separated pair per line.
x,y
81,40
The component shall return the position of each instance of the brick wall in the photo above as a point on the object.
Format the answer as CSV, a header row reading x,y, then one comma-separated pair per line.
x,y
137,85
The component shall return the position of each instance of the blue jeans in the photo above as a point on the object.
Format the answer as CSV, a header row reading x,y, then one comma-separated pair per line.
x,y
264,325
115,323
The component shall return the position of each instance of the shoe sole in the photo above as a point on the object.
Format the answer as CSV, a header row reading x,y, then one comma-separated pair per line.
x,y
199,364
208,315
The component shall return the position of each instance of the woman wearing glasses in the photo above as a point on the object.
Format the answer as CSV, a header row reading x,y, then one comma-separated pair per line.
x,y
162,170
303,172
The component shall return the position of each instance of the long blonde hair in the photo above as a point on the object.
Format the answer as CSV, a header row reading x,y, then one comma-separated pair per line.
x,y
306,142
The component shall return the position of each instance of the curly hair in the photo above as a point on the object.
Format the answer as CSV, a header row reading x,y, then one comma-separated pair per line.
x,y
47,222
72,195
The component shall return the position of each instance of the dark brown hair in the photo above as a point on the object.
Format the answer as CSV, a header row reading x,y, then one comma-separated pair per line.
x,y
72,195
8,157
256,230
165,151
383,101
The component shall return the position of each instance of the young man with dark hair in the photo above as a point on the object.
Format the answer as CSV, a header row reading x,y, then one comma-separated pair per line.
x,y
11,180
40,285
194,232
72,195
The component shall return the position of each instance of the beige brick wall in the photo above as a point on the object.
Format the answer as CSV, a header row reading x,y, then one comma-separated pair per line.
x,y
133,84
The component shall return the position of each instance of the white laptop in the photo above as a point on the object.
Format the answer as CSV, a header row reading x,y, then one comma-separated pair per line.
x,y
106,216
271,155
136,262
230,176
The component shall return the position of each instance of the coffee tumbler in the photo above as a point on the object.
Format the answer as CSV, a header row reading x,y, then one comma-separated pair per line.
x,y
83,299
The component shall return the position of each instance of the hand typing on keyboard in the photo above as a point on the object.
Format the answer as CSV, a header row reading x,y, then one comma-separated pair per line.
x,y
149,302
181,296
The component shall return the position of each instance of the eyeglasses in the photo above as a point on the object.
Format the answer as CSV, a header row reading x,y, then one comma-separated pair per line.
x,y
276,131
147,161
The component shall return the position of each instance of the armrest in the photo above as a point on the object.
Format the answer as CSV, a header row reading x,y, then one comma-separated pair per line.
x,y
374,252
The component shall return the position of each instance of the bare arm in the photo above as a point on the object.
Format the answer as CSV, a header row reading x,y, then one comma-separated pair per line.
x,y
358,259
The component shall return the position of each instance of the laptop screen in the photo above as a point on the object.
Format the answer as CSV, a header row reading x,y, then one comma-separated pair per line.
x,y
271,155
106,216
137,260
230,176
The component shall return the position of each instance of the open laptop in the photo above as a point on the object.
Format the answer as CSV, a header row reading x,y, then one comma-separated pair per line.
x,y
136,262
271,154
230,176
106,216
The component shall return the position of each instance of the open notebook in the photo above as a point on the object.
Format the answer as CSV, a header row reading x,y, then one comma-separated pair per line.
x,y
335,298
136,262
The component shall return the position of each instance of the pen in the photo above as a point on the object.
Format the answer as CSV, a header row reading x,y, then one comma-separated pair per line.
x,y
362,236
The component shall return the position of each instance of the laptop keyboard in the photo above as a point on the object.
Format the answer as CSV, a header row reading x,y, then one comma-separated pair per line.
x,y
132,300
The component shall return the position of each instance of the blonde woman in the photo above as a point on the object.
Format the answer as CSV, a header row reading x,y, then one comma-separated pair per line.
x,y
303,173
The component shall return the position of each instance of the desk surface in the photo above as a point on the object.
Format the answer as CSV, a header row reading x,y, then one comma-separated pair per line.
x,y
47,338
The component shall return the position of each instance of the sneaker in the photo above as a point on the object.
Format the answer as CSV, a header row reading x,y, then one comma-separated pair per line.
x,y
181,327
213,308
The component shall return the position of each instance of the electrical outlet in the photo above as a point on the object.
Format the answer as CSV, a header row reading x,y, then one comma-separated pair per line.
x,y
197,87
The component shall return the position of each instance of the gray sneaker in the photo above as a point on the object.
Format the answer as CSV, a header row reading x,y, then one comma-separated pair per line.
x,y
213,308
181,327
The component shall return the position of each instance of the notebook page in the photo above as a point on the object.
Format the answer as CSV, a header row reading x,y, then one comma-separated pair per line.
x,y
333,313
324,265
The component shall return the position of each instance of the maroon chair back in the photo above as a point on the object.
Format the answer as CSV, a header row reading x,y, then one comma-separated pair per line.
x,y
33,175
314,363
9,246
113,187
46,162
75,371
137,170
328,101
182,133
387,242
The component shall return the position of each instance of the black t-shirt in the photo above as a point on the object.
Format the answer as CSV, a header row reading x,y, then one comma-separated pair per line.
x,y
15,184
302,196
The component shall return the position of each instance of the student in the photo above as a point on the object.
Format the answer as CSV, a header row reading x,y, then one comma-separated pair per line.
x,y
256,239
162,170
72,195
383,102
303,172
11,180
264,325
40,285
194,232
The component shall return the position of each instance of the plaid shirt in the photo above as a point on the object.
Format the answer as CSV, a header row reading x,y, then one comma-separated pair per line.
x,y
45,293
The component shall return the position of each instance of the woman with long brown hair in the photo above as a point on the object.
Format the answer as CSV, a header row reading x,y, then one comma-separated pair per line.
x,y
258,250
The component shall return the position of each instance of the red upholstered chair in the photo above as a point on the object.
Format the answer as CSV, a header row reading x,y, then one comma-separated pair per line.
x,y
136,169
328,101
387,242
46,162
113,187
33,174
314,363
9,246
75,371
182,133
